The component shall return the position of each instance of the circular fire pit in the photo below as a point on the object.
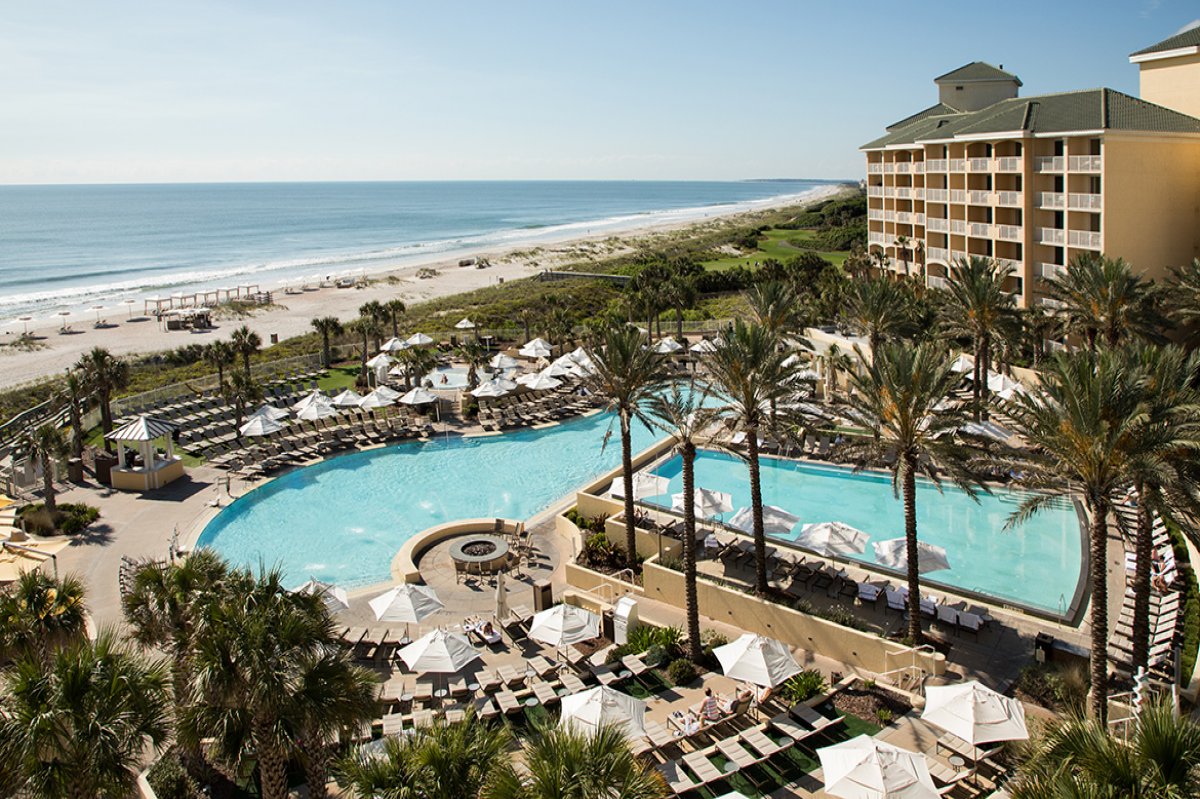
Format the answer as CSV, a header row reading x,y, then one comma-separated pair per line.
x,y
486,552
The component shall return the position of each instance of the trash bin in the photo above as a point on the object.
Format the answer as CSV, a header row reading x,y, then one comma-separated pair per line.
x,y
105,461
75,470
1043,648
625,619
274,338
543,596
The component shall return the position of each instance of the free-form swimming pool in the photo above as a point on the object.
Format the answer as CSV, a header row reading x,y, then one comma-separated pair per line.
x,y
343,520
1036,565
446,377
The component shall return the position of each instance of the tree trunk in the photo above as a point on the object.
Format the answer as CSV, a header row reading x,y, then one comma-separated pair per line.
x,y
679,321
326,358
316,767
975,367
220,376
756,509
362,369
76,429
526,323
692,601
1141,584
1098,698
985,355
650,325
246,362
395,326
105,419
910,545
51,502
272,772
627,481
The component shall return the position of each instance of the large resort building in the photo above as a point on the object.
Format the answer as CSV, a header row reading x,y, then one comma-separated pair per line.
x,y
1035,182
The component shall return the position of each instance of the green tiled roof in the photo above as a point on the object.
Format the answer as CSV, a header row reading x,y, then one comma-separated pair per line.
x,y
934,110
976,71
1091,109
1189,38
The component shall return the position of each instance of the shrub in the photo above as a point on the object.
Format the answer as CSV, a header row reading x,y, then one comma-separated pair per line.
x,y
884,715
1055,686
804,686
682,672
646,637
72,518
169,779
619,651
655,655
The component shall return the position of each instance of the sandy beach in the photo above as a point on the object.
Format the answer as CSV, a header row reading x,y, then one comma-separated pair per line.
x,y
291,313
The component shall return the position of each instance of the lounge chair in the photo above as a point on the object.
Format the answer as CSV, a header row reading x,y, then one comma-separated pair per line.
x,y
676,778
818,721
703,768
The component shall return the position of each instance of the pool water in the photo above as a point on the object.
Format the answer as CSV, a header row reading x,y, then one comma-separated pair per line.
x,y
456,376
1036,564
344,519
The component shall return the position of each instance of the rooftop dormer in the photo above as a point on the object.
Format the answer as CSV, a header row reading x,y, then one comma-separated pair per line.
x,y
976,85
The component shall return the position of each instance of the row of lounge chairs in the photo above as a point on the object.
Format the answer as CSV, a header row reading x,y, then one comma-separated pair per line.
x,y
535,407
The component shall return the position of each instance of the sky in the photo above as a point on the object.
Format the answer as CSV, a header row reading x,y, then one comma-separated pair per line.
x,y
163,91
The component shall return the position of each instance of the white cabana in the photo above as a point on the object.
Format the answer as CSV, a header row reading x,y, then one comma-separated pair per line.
x,y
335,597
439,652
407,602
539,381
418,340
489,389
757,659
894,554
347,399
271,412
154,471
832,538
380,361
867,768
538,348
464,324
258,425
377,399
563,625
418,396
645,484
316,397
502,361
667,346
703,347
706,502
589,711
975,713
393,345
776,520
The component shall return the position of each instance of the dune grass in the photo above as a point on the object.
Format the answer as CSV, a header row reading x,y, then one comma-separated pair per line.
x,y
777,244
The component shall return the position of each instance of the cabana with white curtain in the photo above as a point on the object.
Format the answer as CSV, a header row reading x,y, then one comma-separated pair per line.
x,y
149,470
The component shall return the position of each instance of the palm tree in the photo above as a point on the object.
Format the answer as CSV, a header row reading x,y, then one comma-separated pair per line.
x,y
395,309
902,243
241,391
877,308
73,392
682,415
379,316
977,306
104,375
218,354
77,725
648,287
559,328
1102,298
561,763
1038,326
750,374
775,305
476,357
368,328
680,291
1084,428
900,397
327,327
1080,757
527,316
39,614
331,695
626,373
245,342
417,362
46,446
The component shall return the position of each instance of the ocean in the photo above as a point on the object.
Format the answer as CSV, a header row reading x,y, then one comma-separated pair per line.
x,y
74,247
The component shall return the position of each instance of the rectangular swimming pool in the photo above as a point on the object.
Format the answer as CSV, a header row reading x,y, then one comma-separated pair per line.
x,y
1036,565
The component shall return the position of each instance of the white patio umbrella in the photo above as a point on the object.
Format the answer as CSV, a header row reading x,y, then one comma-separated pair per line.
x,y
259,426
832,538
316,397
589,711
315,411
556,369
465,324
563,625
867,768
963,364
998,382
667,346
489,389
502,361
645,484
504,383
335,597
707,503
382,359
347,399
418,396
418,340
703,347
776,520
537,348
894,553
539,381
271,412
439,652
988,429
757,659
407,602
393,345
387,392
376,399
975,713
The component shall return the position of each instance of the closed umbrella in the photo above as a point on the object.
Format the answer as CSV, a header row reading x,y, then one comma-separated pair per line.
x,y
757,659
645,484
776,520
975,713
667,346
502,361
260,426
408,602
867,768
894,553
501,599
563,625
418,340
706,502
376,399
439,652
589,711
334,596
418,396
347,399
832,538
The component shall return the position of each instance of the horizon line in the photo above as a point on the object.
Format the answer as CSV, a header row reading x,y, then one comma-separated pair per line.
x,y
431,180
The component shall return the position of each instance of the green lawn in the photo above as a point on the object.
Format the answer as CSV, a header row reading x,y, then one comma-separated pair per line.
x,y
777,244
339,377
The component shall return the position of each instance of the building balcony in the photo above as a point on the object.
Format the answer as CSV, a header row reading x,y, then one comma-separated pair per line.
x,y
979,165
903,193
918,218
1010,199
937,195
958,195
1010,233
903,167
958,165
874,169
979,197
918,193
1051,199
1085,163
889,191
1049,235
1085,239
875,214
937,254
877,238
1048,271
918,167
957,255
874,191
1049,163
1052,304
889,168
904,217
1084,202
937,225
936,282
1010,263
936,165
980,230
1009,163
958,226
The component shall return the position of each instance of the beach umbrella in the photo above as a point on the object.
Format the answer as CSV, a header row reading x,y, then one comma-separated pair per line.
x,y
387,392
501,598
439,652
25,320
316,397
130,303
832,538
376,399
757,659
489,389
988,429
563,625
258,425
707,503
538,348
64,315
775,520
894,553
464,324
347,399
418,340
334,596
975,713
271,412
645,484
556,369
997,382
316,410
581,356
502,361
393,345
667,346
539,381
703,347
963,364
407,602
380,360
589,711
418,396
97,309
504,383
867,768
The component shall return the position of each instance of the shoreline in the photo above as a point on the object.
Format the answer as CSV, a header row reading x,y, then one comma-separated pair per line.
x,y
130,333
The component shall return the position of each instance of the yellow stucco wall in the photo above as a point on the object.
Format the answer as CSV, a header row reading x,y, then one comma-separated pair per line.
x,y
1151,215
1173,82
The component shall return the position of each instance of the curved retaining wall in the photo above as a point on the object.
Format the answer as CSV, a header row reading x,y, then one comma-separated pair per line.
x,y
404,564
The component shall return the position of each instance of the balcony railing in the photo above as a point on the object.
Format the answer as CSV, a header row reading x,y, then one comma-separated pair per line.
x,y
958,165
874,214
1084,202
937,225
1010,198
937,195
936,165
903,193
957,255
918,167
935,282
1009,262
1049,235
1009,232
1009,163
874,169
904,217
1050,270
918,218
958,226
979,197
877,238
918,193
1053,304
979,165
1051,199
1085,163
981,230
937,254
889,168
1085,239
889,191
903,167
958,195
874,191
1049,163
